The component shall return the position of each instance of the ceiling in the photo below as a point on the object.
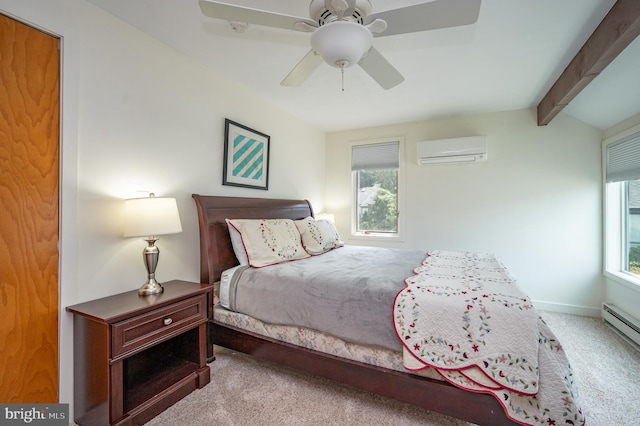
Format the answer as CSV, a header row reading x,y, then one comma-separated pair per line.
x,y
507,60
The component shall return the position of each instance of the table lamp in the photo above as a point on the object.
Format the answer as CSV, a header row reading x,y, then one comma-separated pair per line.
x,y
150,217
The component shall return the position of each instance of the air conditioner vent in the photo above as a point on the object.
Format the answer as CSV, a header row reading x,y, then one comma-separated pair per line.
x,y
457,150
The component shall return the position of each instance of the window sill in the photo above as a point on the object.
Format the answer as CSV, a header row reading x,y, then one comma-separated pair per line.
x,y
376,237
625,279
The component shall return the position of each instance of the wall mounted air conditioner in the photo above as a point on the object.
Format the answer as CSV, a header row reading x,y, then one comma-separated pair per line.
x,y
457,150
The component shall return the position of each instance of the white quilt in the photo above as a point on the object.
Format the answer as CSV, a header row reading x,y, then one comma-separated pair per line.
x,y
462,314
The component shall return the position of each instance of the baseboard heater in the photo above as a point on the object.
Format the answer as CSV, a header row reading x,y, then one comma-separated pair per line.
x,y
622,321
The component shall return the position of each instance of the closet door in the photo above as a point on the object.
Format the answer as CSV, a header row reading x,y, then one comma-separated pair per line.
x,y
29,175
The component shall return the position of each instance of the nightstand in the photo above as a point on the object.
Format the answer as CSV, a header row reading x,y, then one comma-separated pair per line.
x,y
134,356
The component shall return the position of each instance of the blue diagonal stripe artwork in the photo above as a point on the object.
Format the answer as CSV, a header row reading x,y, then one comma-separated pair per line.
x,y
248,157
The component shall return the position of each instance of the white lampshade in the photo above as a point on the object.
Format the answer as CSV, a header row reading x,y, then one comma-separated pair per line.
x,y
145,217
341,43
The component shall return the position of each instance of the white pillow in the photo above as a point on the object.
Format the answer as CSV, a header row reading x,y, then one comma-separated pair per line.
x,y
269,241
318,236
236,243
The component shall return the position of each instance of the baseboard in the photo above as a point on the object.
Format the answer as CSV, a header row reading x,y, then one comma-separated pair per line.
x,y
583,311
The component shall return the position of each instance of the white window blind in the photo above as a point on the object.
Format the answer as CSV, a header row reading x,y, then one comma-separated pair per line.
x,y
384,155
623,159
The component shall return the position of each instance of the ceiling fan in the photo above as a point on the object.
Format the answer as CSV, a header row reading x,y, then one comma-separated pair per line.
x,y
343,31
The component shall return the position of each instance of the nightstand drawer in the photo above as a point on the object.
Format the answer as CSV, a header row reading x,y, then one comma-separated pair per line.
x,y
138,331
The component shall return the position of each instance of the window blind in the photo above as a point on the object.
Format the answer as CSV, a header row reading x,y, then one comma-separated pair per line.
x,y
623,159
385,155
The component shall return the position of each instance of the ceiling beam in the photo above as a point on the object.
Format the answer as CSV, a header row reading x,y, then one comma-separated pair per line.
x,y
616,31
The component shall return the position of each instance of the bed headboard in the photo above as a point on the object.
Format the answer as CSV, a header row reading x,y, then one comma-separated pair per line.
x,y
216,253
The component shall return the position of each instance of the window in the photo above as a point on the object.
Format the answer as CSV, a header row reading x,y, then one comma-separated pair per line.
x,y
377,191
632,211
622,209
376,175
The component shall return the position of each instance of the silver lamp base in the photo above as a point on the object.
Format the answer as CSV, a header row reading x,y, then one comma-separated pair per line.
x,y
150,254
150,287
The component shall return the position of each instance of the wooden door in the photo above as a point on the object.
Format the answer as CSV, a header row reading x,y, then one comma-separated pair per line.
x,y
29,175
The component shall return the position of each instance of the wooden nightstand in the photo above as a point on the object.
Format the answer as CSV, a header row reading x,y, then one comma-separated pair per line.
x,y
134,356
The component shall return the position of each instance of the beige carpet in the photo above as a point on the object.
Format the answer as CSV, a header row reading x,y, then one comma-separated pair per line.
x,y
246,392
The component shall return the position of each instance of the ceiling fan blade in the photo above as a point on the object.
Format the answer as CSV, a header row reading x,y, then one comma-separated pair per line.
x,y
231,12
303,69
380,69
428,16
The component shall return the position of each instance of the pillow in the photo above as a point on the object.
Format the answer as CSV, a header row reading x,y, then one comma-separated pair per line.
x,y
236,243
318,236
269,241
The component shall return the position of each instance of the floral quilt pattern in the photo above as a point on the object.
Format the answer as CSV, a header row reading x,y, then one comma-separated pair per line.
x,y
463,314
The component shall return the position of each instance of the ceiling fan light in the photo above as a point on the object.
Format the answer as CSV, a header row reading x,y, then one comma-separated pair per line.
x,y
341,41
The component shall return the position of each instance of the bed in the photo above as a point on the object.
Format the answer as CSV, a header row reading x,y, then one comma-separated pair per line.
x,y
239,332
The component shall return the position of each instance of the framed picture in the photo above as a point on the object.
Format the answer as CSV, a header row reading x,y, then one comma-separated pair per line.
x,y
246,157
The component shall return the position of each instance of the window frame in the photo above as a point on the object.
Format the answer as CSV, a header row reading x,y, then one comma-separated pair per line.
x,y
378,236
615,206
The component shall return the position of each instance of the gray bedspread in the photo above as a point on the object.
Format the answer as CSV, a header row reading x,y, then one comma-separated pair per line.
x,y
347,292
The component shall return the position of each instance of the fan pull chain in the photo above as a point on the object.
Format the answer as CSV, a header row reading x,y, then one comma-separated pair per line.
x,y
342,64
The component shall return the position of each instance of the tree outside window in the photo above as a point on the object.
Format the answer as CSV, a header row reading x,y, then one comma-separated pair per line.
x,y
377,200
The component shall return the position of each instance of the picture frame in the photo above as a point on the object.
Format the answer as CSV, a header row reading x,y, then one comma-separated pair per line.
x,y
246,156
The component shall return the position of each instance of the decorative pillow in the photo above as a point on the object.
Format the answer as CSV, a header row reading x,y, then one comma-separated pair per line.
x,y
236,243
269,241
318,236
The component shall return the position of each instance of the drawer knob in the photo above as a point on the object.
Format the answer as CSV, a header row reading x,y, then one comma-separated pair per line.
x,y
167,321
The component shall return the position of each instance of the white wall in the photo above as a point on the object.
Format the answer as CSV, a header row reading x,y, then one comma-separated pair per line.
x,y
536,202
153,119
139,116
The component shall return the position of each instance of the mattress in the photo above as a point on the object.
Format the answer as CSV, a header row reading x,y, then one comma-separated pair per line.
x,y
347,292
321,342
308,337
225,285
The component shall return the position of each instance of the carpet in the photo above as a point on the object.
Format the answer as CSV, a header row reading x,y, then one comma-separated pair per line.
x,y
245,391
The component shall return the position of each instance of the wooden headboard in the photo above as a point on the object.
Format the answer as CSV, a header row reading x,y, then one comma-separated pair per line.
x,y
216,252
